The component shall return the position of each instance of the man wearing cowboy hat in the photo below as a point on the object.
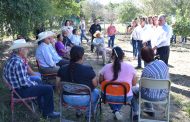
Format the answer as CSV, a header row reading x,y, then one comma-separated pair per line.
x,y
15,72
46,55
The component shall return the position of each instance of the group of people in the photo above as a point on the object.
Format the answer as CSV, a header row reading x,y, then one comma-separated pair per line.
x,y
66,56
153,32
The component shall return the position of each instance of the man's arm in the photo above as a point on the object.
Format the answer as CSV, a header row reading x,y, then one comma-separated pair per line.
x,y
22,75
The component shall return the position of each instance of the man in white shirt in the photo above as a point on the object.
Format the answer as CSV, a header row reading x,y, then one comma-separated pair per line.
x,y
140,34
162,39
47,57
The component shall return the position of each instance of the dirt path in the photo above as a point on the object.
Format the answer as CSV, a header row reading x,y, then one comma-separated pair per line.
x,y
179,73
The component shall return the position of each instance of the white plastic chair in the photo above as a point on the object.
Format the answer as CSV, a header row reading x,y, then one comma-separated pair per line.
x,y
154,84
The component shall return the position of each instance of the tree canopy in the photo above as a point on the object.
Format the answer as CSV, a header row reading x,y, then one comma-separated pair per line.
x,y
23,16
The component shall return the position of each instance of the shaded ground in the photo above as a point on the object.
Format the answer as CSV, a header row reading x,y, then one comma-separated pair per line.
x,y
179,74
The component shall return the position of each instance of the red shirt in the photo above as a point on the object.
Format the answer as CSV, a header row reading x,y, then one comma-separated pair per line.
x,y
111,30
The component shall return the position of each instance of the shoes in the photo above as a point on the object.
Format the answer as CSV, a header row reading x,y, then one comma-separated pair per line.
x,y
52,115
118,115
79,114
150,113
138,67
135,117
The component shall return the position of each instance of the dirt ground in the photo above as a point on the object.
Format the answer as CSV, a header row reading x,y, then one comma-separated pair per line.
x,y
179,69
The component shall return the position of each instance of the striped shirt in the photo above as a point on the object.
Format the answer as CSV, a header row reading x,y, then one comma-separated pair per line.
x,y
15,72
155,70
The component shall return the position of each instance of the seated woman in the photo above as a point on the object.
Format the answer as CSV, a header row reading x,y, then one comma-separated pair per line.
x,y
155,69
75,38
98,42
120,71
60,47
76,72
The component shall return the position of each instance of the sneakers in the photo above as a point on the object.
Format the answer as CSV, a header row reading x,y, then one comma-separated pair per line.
x,y
78,114
138,67
135,117
118,115
52,115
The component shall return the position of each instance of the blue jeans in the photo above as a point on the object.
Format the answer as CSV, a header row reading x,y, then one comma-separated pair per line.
x,y
83,100
111,41
139,47
117,107
83,35
36,77
44,94
134,44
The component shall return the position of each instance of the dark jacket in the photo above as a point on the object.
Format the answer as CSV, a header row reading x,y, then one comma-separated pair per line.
x,y
94,28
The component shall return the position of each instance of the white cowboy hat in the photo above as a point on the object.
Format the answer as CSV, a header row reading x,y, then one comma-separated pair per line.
x,y
44,35
20,43
97,32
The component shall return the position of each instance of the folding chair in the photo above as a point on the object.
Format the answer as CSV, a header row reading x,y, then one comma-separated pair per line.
x,y
46,77
116,89
154,84
78,89
16,98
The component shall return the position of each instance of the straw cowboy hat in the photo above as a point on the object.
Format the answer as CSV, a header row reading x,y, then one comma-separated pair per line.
x,y
97,32
20,43
44,35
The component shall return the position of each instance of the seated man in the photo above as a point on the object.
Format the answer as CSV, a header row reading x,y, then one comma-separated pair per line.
x,y
34,76
155,69
47,57
66,41
15,72
98,42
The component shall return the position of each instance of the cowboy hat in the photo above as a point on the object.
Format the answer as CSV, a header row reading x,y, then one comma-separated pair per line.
x,y
20,43
97,32
44,35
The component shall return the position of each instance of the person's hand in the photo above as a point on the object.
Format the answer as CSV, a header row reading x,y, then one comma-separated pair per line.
x,y
154,48
144,44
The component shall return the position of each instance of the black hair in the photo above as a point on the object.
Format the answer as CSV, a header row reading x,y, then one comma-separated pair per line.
x,y
76,54
74,31
58,36
66,22
117,55
147,54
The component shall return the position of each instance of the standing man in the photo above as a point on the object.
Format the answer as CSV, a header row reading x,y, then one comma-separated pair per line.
x,y
94,27
15,72
111,31
141,37
83,30
163,39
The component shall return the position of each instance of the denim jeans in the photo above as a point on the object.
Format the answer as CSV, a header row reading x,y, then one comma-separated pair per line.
x,y
83,35
117,107
111,41
37,77
83,100
44,94
139,47
134,44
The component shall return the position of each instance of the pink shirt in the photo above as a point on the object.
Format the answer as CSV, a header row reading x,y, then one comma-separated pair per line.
x,y
111,30
125,75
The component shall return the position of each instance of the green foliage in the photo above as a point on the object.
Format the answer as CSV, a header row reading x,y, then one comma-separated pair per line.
x,y
24,16
128,12
182,25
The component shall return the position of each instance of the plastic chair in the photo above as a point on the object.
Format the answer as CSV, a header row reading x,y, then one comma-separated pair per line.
x,y
77,89
46,77
116,89
16,98
154,84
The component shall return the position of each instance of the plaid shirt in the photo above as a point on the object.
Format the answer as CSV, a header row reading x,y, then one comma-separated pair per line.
x,y
15,72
